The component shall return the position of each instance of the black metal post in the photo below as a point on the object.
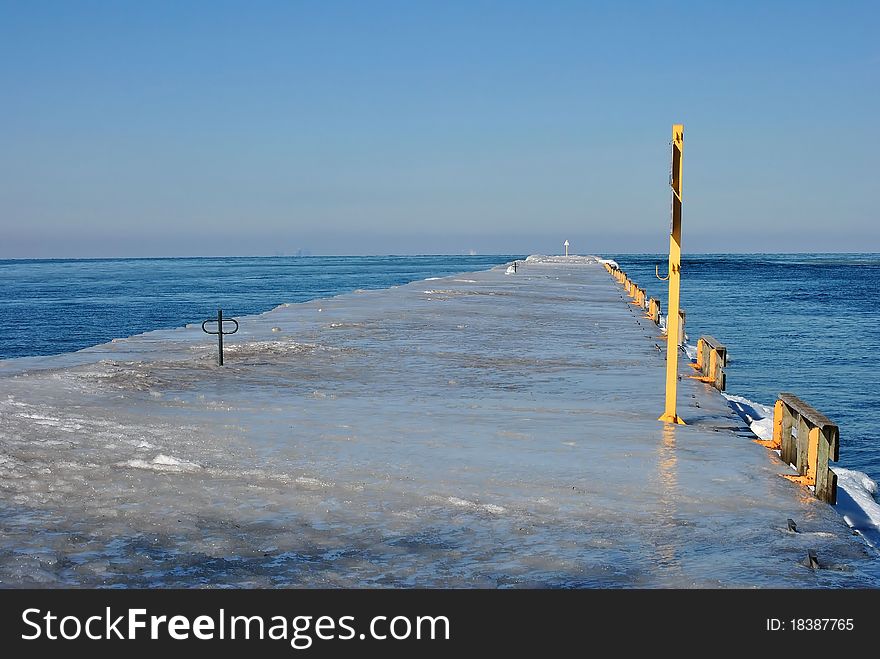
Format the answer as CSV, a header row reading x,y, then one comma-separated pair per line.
x,y
219,332
220,336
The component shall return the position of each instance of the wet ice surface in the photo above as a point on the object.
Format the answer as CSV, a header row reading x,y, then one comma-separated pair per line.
x,y
484,429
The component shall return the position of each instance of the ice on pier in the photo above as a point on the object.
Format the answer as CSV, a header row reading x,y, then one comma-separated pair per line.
x,y
572,259
856,491
473,430
162,463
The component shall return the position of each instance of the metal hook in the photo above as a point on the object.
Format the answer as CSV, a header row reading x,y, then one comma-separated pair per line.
x,y
657,273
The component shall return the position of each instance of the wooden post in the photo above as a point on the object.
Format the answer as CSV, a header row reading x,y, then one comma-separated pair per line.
x,y
817,443
682,316
828,449
803,435
812,456
720,373
789,446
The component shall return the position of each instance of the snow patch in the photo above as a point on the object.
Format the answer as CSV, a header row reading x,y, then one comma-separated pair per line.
x,y
314,482
759,417
162,462
857,502
573,259
487,507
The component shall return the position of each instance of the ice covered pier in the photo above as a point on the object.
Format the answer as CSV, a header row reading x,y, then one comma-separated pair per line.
x,y
486,429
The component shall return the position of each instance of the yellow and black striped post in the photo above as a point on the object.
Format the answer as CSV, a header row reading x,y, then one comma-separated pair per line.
x,y
673,328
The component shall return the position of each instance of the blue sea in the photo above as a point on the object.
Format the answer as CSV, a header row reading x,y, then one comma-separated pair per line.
x,y
804,323
49,307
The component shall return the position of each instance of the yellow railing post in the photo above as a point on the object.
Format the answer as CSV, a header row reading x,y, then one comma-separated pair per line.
x,y
779,413
670,414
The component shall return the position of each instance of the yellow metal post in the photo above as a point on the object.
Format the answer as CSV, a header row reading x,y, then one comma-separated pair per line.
x,y
672,320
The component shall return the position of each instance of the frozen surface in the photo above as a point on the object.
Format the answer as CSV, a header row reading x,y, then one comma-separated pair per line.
x,y
856,491
476,430
573,259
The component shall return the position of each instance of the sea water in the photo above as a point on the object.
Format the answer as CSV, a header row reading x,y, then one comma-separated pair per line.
x,y
50,307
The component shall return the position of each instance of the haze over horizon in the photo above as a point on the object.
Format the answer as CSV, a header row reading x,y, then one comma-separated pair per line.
x,y
264,128
443,245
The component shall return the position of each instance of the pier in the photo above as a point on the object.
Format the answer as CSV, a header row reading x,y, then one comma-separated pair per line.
x,y
490,429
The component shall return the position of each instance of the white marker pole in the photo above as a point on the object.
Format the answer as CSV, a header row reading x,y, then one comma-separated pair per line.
x,y
565,244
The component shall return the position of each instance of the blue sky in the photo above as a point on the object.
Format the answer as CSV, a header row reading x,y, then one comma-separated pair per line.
x,y
203,128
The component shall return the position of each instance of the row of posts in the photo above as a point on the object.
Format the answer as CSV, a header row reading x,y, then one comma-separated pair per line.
x,y
651,306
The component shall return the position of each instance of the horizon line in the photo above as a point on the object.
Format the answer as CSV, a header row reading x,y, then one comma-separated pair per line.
x,y
410,255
